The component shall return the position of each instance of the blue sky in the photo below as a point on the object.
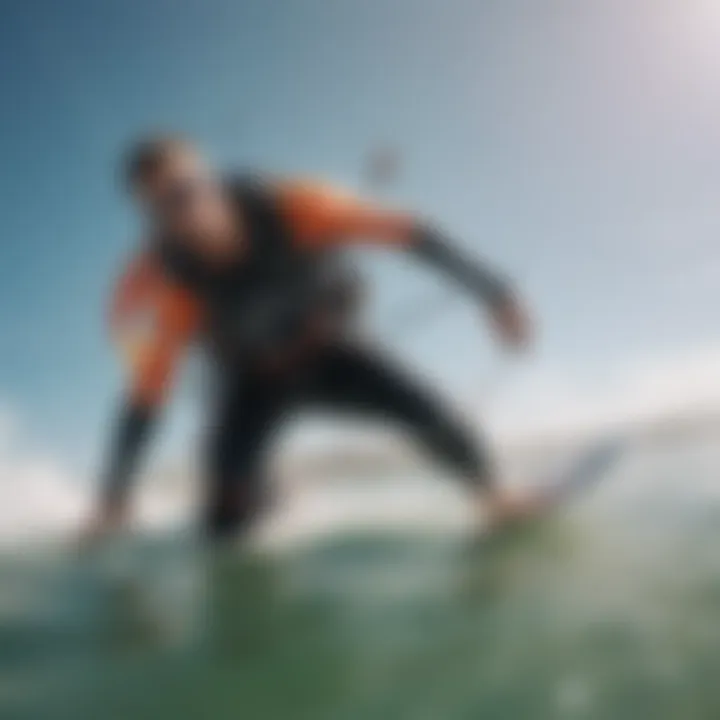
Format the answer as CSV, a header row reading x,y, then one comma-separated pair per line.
x,y
575,143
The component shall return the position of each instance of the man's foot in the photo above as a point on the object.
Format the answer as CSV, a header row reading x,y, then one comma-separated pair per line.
x,y
504,507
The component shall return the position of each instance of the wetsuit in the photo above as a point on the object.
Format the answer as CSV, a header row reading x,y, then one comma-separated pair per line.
x,y
274,324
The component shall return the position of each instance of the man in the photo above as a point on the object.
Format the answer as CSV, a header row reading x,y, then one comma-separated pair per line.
x,y
249,271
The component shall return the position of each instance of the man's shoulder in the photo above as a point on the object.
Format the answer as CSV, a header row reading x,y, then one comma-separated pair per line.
x,y
307,205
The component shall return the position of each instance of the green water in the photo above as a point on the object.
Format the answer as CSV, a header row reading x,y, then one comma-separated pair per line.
x,y
602,613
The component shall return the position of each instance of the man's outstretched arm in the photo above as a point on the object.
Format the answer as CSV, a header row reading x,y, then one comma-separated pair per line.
x,y
431,245
324,218
152,358
507,313
131,434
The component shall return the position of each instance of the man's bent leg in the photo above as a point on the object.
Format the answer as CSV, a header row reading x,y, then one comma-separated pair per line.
x,y
238,441
362,382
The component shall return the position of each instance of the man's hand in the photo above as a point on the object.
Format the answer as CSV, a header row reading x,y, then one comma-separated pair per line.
x,y
512,323
106,523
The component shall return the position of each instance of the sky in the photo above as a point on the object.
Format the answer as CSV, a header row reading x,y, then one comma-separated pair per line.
x,y
576,143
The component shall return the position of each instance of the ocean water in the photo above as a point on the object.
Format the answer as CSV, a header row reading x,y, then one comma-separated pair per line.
x,y
609,609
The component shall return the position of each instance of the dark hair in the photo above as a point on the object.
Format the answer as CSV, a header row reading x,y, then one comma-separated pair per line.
x,y
145,157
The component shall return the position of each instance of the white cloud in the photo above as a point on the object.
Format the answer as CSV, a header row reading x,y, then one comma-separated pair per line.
x,y
38,496
558,399
42,498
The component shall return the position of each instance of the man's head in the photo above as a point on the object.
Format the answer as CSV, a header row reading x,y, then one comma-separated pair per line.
x,y
177,190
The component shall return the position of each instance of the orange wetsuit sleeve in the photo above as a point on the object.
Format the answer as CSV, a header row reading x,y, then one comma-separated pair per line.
x,y
153,321
320,216
133,290
177,320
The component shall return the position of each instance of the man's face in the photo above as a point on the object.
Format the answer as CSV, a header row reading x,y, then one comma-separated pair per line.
x,y
186,200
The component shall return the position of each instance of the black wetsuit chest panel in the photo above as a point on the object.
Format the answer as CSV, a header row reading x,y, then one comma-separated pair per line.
x,y
261,303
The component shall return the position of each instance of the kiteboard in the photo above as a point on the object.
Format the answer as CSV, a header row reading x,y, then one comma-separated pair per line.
x,y
584,473
577,478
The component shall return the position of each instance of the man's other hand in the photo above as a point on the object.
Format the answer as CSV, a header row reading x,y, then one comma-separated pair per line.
x,y
512,324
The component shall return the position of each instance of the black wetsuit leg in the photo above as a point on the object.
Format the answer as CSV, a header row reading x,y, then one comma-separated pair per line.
x,y
342,379
249,414
361,381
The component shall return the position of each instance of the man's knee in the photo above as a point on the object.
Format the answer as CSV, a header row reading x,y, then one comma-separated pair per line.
x,y
460,450
235,511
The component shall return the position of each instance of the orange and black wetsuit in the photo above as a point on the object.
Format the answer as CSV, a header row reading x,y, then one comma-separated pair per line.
x,y
272,322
